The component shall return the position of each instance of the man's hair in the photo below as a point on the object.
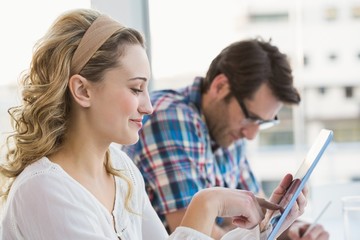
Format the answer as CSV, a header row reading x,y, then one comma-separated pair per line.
x,y
250,63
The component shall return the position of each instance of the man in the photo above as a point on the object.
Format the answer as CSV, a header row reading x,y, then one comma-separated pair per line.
x,y
196,136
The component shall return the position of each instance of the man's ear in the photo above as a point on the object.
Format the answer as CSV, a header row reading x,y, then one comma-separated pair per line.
x,y
78,86
220,87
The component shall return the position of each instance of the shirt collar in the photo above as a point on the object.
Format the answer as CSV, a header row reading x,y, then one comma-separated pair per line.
x,y
195,93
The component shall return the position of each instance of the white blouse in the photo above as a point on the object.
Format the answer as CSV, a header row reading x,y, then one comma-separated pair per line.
x,y
47,203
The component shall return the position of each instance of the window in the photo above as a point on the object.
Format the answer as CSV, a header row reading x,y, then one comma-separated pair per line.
x,y
268,17
349,92
346,130
322,90
333,56
277,138
281,134
331,14
268,186
306,60
355,12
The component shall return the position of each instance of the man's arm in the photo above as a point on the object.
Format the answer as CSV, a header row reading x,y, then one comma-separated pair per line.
x,y
297,229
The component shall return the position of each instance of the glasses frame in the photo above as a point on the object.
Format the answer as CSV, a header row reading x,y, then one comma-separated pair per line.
x,y
263,124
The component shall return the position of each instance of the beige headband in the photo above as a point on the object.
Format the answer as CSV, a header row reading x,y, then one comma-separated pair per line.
x,y
95,36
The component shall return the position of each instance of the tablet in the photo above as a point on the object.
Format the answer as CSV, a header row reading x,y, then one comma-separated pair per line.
x,y
301,177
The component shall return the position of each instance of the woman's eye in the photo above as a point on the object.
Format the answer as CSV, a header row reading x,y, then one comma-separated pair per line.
x,y
136,90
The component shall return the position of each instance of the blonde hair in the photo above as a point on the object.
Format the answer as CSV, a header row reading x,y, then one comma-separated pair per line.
x,y
41,121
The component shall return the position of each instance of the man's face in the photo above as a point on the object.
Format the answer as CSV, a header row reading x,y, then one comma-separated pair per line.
x,y
227,121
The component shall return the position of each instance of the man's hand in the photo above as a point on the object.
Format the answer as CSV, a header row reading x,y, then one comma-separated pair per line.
x,y
298,228
282,193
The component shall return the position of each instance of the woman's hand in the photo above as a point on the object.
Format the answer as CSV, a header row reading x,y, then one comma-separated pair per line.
x,y
242,206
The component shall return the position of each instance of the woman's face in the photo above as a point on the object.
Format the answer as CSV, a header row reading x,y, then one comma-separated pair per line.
x,y
121,100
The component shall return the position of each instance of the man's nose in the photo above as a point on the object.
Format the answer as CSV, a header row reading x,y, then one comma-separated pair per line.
x,y
250,131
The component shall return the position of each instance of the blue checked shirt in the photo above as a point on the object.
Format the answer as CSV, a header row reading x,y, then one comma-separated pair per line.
x,y
175,152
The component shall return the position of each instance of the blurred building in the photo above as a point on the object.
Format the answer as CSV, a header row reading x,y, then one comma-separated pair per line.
x,y
323,45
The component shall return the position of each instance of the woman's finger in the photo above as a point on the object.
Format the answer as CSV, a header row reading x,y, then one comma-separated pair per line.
x,y
269,205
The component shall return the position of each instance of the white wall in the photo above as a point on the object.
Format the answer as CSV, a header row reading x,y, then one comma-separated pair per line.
x,y
22,23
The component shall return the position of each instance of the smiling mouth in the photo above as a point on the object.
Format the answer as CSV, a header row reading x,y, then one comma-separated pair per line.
x,y
138,123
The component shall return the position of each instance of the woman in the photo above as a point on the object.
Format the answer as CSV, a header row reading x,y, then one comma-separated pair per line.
x,y
85,90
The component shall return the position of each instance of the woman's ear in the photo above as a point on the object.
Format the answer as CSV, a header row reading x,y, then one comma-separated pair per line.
x,y
78,86
220,87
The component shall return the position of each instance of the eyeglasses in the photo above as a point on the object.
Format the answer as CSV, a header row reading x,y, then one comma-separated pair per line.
x,y
263,124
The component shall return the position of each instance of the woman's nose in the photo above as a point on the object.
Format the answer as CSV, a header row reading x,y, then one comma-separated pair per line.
x,y
146,106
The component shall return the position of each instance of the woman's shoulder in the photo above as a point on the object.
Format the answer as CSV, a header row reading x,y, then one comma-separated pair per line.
x,y
38,182
36,171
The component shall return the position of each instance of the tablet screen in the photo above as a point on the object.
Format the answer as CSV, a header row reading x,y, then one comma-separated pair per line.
x,y
300,178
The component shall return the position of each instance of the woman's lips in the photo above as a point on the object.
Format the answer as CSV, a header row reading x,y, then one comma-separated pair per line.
x,y
137,122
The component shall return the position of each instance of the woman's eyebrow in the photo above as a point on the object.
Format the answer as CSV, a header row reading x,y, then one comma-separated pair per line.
x,y
138,78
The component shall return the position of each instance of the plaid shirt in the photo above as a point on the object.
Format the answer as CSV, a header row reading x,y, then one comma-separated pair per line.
x,y
175,153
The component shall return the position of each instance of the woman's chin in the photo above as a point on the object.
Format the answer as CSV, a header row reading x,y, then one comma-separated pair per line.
x,y
131,140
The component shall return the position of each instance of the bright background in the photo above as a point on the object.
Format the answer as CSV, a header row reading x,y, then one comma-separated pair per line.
x,y
321,38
